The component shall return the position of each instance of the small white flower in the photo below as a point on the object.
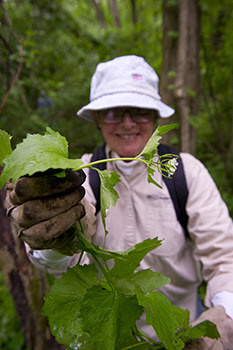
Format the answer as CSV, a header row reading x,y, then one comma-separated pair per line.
x,y
172,166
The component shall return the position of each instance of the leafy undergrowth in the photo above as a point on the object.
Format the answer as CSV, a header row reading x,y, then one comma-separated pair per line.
x,y
92,308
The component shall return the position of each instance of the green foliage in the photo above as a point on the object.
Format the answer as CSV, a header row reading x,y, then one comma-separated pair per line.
x,y
62,42
149,152
158,309
108,195
5,150
11,337
101,312
214,122
37,153
86,310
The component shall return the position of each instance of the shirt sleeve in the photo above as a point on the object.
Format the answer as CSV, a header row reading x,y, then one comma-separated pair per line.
x,y
49,261
210,227
224,299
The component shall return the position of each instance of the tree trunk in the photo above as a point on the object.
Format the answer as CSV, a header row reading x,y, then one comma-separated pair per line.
x,y
180,75
115,13
134,12
27,286
168,69
180,81
100,15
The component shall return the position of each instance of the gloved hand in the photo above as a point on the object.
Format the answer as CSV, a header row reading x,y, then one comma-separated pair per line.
x,y
44,209
224,325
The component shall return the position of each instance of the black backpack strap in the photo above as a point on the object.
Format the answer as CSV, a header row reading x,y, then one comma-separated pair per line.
x,y
177,186
94,178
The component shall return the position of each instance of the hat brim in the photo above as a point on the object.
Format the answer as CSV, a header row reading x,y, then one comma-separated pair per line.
x,y
131,99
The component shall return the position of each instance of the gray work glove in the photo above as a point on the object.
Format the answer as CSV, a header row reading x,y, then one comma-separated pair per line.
x,y
224,325
44,209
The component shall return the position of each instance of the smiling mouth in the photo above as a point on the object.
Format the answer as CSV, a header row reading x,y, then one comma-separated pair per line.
x,y
128,137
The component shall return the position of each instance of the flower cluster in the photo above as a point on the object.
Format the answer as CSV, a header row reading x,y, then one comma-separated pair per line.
x,y
171,166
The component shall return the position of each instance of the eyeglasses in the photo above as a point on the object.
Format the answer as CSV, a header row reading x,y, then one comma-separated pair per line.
x,y
116,115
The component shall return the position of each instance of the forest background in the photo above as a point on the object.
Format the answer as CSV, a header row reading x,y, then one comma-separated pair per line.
x,y
49,51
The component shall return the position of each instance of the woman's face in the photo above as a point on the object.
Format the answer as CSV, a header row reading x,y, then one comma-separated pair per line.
x,y
128,136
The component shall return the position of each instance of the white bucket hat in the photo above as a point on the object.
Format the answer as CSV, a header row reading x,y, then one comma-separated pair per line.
x,y
126,81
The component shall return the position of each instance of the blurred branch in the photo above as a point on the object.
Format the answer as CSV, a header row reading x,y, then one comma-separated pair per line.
x,y
134,13
5,42
99,14
7,62
115,13
21,56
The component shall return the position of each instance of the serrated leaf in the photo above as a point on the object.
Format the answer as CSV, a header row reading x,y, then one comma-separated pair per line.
x,y
108,195
84,245
150,173
165,318
133,257
109,318
150,149
5,146
38,153
204,329
62,303
126,260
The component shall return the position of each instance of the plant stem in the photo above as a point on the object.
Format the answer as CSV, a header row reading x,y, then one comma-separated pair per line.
x,y
82,252
142,336
134,346
80,257
139,344
160,166
104,272
89,165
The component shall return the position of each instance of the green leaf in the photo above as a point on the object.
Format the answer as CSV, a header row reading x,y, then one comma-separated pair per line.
x,y
108,195
38,153
109,319
147,280
165,318
150,173
132,257
150,149
62,303
5,146
204,329
86,346
85,245
126,261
